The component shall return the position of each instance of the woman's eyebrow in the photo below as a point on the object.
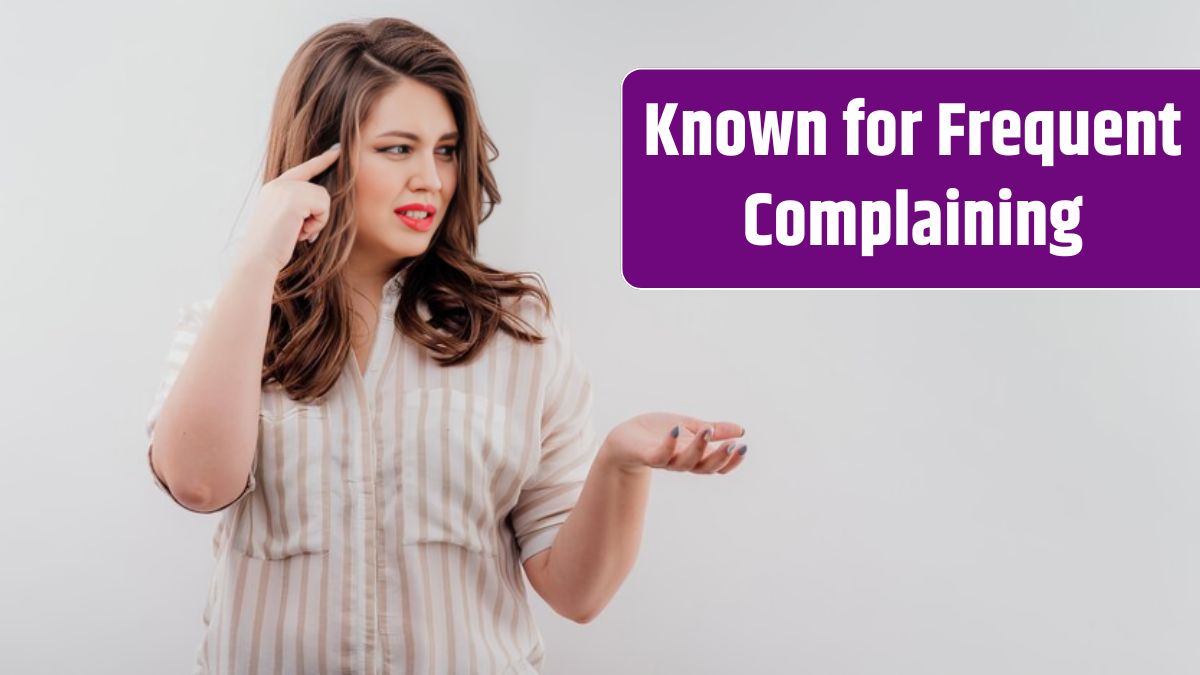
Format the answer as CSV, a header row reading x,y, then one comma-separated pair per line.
x,y
449,136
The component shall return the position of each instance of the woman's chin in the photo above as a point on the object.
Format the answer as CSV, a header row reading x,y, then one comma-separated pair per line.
x,y
392,248
409,243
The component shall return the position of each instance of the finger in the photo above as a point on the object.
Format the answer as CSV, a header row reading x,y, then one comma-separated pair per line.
x,y
724,430
721,430
308,170
717,458
690,454
734,460
317,214
311,228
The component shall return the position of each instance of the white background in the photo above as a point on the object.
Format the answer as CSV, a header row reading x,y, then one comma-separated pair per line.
x,y
938,481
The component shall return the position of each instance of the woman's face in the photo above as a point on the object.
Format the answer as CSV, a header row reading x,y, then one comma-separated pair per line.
x,y
407,172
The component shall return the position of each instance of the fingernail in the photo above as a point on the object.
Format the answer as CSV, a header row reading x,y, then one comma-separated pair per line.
x,y
729,450
742,450
335,146
708,435
675,432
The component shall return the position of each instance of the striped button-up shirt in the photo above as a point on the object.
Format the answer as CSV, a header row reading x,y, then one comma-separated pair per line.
x,y
382,529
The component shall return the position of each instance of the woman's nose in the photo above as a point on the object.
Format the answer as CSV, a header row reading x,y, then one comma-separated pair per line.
x,y
426,175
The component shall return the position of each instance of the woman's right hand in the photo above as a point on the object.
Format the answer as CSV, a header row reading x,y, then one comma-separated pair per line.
x,y
289,209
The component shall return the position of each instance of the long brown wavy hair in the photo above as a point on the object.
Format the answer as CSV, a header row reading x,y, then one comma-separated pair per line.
x,y
324,97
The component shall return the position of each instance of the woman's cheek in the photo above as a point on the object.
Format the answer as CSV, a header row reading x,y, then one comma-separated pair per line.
x,y
374,185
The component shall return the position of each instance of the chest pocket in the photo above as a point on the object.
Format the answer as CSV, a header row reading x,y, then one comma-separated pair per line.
x,y
289,512
454,460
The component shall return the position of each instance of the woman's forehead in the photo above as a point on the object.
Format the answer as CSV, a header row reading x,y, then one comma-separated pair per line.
x,y
411,109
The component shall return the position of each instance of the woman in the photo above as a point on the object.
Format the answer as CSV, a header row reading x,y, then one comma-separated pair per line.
x,y
392,429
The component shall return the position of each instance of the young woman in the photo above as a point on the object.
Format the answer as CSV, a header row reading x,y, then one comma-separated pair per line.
x,y
391,428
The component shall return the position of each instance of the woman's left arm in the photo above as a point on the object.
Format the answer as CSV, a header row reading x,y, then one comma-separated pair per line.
x,y
595,548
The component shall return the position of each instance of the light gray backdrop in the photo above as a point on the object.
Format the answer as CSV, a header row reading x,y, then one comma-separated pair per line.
x,y
938,481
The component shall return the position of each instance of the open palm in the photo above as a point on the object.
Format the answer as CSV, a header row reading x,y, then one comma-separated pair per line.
x,y
662,440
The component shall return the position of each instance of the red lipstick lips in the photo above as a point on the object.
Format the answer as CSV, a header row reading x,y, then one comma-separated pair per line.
x,y
418,217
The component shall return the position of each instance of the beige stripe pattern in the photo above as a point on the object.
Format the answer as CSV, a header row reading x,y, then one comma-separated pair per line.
x,y
383,528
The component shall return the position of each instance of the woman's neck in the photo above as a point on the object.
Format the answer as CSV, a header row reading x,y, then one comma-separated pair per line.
x,y
367,278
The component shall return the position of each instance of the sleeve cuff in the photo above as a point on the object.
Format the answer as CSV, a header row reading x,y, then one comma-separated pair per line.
x,y
538,542
251,483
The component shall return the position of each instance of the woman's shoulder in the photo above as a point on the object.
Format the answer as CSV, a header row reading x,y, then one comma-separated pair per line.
x,y
536,311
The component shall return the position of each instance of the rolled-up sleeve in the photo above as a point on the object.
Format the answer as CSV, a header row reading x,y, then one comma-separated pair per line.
x,y
187,328
568,446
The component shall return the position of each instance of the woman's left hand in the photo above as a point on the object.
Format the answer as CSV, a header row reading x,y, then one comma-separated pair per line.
x,y
673,442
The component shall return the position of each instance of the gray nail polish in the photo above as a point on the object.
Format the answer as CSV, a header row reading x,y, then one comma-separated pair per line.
x,y
742,450
675,432
729,450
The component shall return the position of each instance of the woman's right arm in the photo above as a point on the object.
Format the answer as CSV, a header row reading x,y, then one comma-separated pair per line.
x,y
207,432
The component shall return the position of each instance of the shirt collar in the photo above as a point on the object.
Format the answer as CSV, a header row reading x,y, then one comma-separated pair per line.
x,y
396,282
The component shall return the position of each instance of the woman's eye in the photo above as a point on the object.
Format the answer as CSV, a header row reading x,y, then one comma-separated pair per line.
x,y
444,151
